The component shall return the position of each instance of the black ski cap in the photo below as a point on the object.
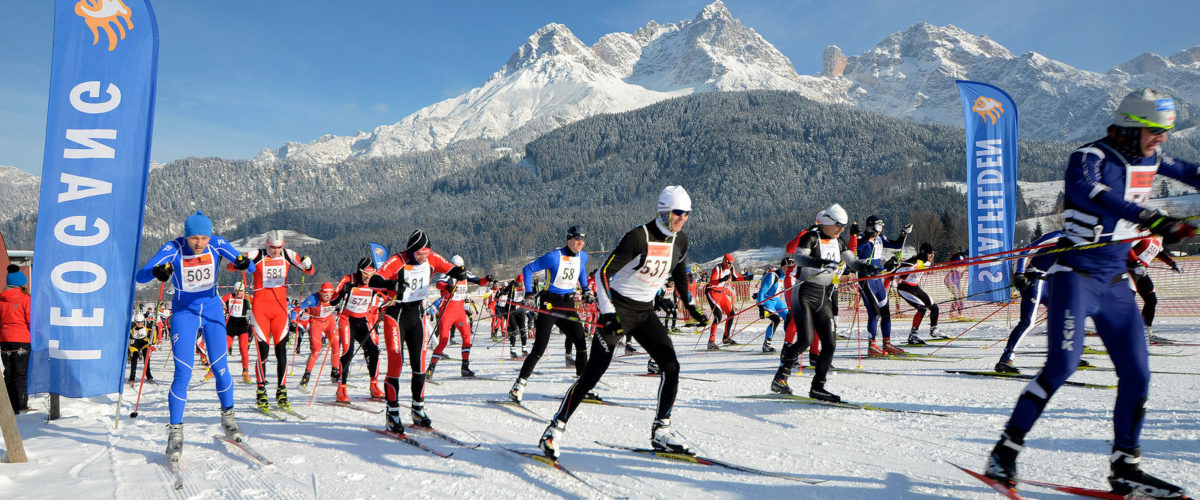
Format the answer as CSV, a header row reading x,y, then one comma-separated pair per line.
x,y
575,232
416,241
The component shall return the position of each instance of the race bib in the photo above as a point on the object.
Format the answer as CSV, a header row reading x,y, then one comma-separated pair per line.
x,y
139,333
360,299
198,273
567,277
460,292
326,310
653,273
237,307
1138,181
416,279
274,273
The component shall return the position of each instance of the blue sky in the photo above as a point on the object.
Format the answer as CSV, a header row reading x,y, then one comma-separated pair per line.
x,y
239,76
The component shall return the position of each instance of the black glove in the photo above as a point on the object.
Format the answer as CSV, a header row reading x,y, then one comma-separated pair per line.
x,y
762,311
457,272
1172,230
241,263
610,328
399,285
1175,267
891,264
854,228
1020,281
486,280
695,312
589,297
163,271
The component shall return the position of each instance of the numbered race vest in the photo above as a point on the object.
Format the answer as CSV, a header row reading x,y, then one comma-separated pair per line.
x,y
274,271
641,284
518,294
1138,182
1147,249
460,292
567,277
416,279
139,333
323,310
359,301
198,273
237,307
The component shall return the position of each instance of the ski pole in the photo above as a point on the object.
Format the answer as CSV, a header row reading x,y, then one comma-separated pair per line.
x,y
325,350
142,384
985,318
1039,321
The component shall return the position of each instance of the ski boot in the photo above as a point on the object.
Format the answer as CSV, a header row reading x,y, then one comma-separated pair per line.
x,y
466,371
549,442
393,421
174,442
420,418
662,438
1127,477
712,345
913,339
524,351
335,374
304,380
512,353
246,376
780,385
873,350
230,426
432,364
933,334
728,341
890,348
592,396
1083,363
342,396
1002,463
767,346
819,392
1006,367
518,391
652,367
629,349
376,392
570,360
260,399
281,399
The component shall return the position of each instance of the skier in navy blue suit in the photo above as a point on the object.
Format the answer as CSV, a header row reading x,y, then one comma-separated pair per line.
x,y
568,270
191,263
1106,181
872,248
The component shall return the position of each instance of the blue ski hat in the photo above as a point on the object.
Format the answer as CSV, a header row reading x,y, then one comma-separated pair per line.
x,y
197,225
15,276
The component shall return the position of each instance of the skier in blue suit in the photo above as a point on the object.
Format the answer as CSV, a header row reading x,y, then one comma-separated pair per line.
x,y
872,248
191,264
772,305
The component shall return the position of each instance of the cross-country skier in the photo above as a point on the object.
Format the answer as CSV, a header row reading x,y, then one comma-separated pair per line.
x,y
322,323
1140,256
139,346
452,314
872,247
237,324
1029,277
360,304
405,277
821,256
910,290
646,257
567,268
1105,182
191,263
771,302
271,313
514,316
720,298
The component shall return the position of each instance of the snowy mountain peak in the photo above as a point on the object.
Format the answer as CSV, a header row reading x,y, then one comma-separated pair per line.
x,y
715,10
552,40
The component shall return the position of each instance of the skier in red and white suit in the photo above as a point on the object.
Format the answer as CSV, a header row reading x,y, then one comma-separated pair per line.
x,y
322,322
405,277
720,298
453,314
359,312
270,308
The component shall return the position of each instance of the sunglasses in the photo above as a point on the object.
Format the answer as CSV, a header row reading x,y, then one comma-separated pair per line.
x,y
1158,131
682,213
579,237
274,247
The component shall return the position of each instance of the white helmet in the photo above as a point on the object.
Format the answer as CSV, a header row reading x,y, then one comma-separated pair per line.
x,y
457,260
138,317
819,216
674,198
1146,108
275,238
238,286
833,216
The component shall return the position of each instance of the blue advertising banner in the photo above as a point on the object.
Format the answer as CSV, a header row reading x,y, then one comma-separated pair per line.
x,y
97,158
990,118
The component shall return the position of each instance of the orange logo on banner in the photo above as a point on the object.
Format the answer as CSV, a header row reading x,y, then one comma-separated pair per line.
x,y
104,14
987,107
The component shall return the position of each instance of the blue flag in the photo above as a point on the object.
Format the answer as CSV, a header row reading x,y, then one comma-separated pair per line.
x,y
379,254
991,123
97,157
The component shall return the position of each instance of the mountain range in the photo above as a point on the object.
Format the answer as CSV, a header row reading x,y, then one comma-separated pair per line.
x,y
554,79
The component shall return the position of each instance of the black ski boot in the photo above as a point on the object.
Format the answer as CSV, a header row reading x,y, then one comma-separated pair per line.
x,y
304,380
420,418
819,392
1006,367
466,370
1002,464
1127,477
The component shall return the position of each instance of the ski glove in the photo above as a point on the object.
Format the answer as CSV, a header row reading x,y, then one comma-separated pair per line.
x,y
1172,230
831,267
891,264
907,229
241,263
1175,267
1020,281
762,312
306,263
163,271
457,272
610,328
695,312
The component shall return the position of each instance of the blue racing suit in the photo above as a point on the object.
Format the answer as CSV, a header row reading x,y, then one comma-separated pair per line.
x,y
1038,292
1104,190
771,300
874,291
195,305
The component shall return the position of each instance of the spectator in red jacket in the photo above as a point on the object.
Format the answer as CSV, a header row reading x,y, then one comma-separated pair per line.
x,y
14,336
